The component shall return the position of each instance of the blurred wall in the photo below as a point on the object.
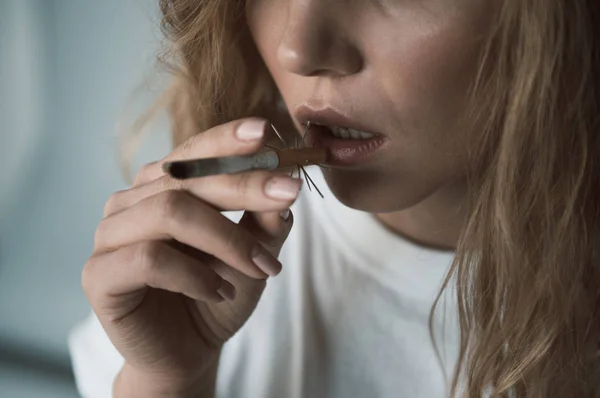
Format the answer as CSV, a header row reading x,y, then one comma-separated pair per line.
x,y
67,69
24,75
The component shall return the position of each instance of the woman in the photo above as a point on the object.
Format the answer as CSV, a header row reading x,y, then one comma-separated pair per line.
x,y
463,150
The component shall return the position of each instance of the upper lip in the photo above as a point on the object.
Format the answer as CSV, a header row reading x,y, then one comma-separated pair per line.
x,y
329,116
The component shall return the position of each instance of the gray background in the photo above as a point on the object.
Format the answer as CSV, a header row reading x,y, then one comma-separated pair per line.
x,y
68,68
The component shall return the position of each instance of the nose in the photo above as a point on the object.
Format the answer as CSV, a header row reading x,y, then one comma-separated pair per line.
x,y
316,42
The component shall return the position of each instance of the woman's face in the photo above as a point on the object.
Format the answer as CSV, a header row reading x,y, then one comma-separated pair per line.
x,y
400,68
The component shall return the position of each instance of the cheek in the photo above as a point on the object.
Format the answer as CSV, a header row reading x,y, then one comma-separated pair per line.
x,y
266,36
425,74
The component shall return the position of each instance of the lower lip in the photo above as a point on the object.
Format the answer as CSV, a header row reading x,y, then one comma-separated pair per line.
x,y
343,152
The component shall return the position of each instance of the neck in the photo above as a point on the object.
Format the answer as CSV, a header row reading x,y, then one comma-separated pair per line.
x,y
435,222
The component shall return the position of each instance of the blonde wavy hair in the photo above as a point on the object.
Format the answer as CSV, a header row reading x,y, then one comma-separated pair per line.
x,y
527,265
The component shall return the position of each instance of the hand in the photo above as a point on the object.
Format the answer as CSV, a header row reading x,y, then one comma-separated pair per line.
x,y
171,278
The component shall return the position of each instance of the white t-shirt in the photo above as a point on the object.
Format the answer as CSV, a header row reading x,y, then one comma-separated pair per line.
x,y
347,317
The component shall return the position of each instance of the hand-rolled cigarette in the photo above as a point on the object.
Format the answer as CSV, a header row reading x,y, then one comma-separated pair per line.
x,y
269,160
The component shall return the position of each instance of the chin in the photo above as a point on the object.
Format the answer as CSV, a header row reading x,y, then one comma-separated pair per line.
x,y
372,192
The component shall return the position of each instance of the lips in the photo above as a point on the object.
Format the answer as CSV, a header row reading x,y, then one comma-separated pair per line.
x,y
331,118
340,151
339,133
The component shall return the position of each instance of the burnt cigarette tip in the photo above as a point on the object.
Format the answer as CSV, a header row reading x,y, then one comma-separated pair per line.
x,y
177,170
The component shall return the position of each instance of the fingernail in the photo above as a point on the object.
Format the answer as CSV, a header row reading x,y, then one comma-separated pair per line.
x,y
227,291
251,130
283,188
285,214
265,262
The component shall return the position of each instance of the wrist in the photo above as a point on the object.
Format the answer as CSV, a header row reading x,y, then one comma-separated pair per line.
x,y
130,383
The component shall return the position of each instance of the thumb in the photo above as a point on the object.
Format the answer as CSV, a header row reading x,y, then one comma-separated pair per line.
x,y
270,228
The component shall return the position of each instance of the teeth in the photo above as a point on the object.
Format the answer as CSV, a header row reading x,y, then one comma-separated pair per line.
x,y
355,134
351,134
344,133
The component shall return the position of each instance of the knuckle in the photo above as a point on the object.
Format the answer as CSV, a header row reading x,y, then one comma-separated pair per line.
x,y
146,256
88,277
170,204
189,145
235,239
215,140
243,184
113,203
100,233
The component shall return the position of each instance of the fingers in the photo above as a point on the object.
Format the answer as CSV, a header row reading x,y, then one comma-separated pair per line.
x,y
180,216
151,264
255,191
270,228
239,137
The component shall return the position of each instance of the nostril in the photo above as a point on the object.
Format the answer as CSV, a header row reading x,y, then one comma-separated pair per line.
x,y
318,49
295,62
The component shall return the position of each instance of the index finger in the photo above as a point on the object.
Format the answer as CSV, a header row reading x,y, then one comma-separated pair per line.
x,y
239,137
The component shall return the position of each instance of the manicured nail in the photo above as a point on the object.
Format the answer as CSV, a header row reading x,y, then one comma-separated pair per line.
x,y
283,188
265,262
251,130
227,291
285,214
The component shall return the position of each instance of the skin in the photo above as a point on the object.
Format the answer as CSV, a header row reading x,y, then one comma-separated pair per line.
x,y
171,278
401,67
